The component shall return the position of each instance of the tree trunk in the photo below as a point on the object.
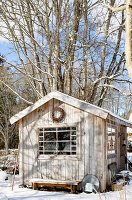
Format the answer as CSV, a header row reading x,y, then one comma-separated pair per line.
x,y
6,146
85,52
56,56
128,43
101,73
75,27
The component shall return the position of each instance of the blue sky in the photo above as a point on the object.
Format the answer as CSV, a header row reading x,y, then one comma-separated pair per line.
x,y
7,51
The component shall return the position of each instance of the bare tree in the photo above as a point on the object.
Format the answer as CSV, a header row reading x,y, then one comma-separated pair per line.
x,y
7,109
128,28
70,46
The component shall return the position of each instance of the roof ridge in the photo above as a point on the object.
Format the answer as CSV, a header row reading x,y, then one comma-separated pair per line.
x,y
81,104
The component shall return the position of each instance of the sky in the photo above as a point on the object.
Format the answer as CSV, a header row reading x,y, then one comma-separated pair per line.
x,y
6,50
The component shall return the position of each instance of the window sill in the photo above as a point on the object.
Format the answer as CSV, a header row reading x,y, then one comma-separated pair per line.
x,y
59,157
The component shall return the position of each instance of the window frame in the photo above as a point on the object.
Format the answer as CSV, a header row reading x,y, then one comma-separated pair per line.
x,y
61,156
111,126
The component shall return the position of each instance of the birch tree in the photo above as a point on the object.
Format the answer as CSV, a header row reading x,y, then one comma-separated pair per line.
x,y
128,29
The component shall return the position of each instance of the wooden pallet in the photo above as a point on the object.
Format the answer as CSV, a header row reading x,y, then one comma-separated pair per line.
x,y
71,185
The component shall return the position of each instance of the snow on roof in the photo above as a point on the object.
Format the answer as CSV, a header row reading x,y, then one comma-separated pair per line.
x,y
82,105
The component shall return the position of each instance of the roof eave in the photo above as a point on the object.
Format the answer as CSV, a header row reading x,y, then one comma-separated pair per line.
x,y
82,105
121,120
64,98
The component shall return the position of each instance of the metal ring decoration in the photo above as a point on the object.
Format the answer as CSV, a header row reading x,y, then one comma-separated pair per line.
x,y
61,115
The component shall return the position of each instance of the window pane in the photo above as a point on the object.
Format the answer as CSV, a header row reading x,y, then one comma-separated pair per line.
x,y
64,146
73,142
109,129
113,130
64,153
73,137
40,148
50,129
63,128
74,148
41,134
73,133
49,152
49,136
41,143
50,146
64,136
73,153
41,138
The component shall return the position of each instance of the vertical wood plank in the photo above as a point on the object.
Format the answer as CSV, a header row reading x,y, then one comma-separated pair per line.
x,y
21,166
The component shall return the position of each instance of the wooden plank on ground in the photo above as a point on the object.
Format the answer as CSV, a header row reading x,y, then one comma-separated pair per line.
x,y
72,185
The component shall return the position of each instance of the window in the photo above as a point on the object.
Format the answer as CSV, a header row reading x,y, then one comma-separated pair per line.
x,y
59,141
111,131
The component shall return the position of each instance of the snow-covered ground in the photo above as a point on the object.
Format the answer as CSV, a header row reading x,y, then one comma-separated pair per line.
x,y
6,192
129,156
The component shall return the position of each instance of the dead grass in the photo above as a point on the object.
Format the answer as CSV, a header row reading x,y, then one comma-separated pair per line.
x,y
122,193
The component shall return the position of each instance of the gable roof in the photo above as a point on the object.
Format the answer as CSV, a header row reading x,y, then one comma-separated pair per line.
x,y
82,105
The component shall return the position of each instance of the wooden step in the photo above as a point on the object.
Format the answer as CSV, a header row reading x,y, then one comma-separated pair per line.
x,y
72,185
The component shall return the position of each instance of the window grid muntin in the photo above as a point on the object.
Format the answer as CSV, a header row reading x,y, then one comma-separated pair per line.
x,y
71,150
111,130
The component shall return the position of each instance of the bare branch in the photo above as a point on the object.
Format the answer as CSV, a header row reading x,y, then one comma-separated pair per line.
x,y
123,80
16,93
113,87
107,78
114,9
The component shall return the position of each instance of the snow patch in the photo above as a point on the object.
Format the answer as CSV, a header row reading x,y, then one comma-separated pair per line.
x,y
3,175
3,196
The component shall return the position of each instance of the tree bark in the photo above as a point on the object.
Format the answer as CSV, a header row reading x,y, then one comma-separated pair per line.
x,y
92,98
85,52
56,53
128,43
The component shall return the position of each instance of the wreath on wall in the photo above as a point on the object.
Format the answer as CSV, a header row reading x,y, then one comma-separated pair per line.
x,y
58,117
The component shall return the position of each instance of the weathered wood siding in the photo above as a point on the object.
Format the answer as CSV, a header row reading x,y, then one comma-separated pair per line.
x,y
93,132
90,145
122,144
119,157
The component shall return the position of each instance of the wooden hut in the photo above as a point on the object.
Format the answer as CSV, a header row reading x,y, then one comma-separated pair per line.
x,y
65,139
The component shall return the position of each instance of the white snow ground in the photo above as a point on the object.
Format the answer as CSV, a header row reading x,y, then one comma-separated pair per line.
x,y
6,192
